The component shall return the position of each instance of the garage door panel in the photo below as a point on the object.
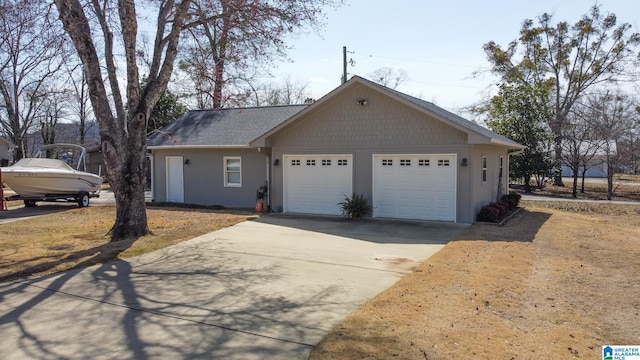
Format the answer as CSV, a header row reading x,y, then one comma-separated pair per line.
x,y
414,186
315,184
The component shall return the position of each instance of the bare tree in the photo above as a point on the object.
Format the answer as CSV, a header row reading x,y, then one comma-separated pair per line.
x,y
288,92
580,147
613,114
78,103
122,118
389,77
230,39
32,51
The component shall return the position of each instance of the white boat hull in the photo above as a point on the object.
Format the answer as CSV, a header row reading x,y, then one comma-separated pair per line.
x,y
32,182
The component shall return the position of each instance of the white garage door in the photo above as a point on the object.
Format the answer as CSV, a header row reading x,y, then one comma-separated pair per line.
x,y
415,187
315,184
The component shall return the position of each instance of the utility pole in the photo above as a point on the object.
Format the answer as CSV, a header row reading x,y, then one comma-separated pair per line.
x,y
344,64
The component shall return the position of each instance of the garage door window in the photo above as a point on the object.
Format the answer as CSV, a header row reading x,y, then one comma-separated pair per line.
x,y
343,162
405,162
232,171
443,162
387,162
311,163
423,162
326,162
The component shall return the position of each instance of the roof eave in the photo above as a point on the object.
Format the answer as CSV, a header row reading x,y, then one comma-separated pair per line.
x,y
167,147
509,144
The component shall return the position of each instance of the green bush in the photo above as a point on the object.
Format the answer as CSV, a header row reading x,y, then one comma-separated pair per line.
x,y
355,207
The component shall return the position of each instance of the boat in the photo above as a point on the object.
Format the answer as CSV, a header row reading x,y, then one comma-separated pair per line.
x,y
48,176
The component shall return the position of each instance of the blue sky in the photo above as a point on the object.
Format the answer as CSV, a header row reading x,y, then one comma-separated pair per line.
x,y
439,43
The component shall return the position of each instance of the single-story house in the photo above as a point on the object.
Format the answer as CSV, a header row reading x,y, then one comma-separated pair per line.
x,y
5,148
597,166
408,157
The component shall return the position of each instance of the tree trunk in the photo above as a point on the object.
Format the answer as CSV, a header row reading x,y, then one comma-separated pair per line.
x,y
527,184
558,153
126,171
609,179
131,213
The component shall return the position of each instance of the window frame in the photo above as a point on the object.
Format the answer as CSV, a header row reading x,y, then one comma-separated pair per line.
x,y
226,171
485,166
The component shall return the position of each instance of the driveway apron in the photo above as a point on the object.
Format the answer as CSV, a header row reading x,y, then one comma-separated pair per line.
x,y
264,289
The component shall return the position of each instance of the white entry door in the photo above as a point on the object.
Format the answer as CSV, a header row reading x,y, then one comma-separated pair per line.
x,y
415,186
175,179
315,184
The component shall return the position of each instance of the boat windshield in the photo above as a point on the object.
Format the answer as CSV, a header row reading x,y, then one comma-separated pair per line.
x,y
43,163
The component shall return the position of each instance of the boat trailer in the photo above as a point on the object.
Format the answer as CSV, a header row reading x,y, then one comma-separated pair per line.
x,y
82,198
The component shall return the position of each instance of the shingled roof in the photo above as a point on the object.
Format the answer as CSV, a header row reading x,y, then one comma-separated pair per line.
x,y
222,127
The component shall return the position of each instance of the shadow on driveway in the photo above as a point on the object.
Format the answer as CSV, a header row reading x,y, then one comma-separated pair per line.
x,y
21,213
380,231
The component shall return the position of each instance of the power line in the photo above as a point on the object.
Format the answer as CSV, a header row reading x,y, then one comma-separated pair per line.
x,y
419,61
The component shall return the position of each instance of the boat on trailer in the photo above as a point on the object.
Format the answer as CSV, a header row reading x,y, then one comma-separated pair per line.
x,y
49,176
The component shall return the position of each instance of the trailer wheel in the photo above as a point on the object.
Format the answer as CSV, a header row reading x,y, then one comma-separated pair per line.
x,y
83,199
29,203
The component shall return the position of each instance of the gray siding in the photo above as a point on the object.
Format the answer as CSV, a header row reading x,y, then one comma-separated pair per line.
x,y
383,126
204,176
382,123
486,192
4,151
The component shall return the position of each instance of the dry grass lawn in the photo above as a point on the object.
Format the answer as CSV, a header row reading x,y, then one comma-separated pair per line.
x,y
78,237
559,280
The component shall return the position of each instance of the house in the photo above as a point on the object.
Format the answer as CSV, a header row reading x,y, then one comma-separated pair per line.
x,y
410,158
5,148
597,165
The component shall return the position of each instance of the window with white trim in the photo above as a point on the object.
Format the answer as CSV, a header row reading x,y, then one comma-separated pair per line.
x,y
342,162
387,162
443,162
405,162
423,162
311,163
295,162
232,171
484,169
326,162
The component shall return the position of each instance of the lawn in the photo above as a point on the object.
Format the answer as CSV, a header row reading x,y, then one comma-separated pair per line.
x,y
559,280
77,237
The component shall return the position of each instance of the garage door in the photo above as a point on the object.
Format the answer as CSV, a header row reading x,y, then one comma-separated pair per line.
x,y
415,187
315,184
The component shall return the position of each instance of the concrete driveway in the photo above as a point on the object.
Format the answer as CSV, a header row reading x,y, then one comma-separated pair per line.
x,y
264,289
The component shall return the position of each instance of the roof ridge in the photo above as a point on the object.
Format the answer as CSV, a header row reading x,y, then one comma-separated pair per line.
x,y
251,107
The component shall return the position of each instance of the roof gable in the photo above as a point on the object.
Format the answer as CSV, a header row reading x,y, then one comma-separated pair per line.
x,y
221,127
476,133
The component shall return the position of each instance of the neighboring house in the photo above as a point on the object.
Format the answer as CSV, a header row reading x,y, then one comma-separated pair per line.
x,y
596,166
95,160
410,158
5,148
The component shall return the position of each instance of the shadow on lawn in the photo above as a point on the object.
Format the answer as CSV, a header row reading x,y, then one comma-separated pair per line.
x,y
522,227
96,255
201,304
